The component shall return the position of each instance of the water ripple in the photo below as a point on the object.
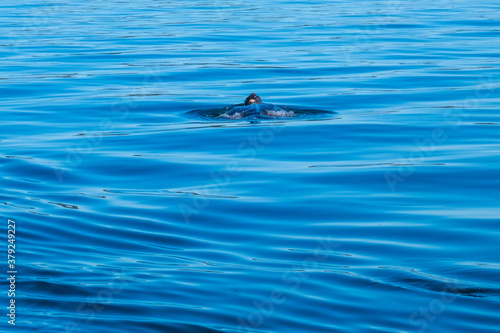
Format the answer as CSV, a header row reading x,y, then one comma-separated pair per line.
x,y
138,208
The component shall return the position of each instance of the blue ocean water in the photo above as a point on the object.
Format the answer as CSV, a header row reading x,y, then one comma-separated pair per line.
x,y
133,215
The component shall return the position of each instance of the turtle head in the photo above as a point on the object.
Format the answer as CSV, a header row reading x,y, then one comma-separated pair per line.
x,y
253,98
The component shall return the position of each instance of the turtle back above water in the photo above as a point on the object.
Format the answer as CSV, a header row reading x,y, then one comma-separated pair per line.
x,y
263,110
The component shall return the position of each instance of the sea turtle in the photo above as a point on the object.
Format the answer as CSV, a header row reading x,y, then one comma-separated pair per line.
x,y
255,108
253,98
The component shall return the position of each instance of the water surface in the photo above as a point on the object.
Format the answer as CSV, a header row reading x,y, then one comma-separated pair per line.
x,y
134,216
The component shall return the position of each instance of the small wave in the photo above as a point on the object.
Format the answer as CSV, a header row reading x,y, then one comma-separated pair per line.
x,y
260,112
412,279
